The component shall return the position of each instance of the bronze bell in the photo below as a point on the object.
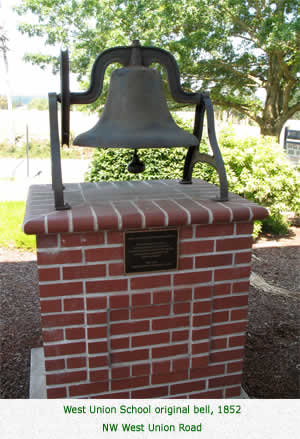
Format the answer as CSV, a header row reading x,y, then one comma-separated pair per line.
x,y
136,114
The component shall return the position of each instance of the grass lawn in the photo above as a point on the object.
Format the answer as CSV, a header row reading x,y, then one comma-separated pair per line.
x,y
11,219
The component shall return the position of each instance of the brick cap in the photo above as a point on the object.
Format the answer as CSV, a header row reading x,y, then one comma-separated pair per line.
x,y
133,205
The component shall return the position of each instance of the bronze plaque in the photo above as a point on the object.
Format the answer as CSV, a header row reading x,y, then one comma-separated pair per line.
x,y
154,250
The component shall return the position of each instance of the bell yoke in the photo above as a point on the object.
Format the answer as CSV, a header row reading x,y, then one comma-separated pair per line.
x,y
135,114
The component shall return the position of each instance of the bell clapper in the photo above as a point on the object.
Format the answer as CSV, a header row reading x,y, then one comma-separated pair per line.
x,y
136,166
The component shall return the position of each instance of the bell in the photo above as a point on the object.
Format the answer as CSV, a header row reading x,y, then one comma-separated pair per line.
x,y
136,114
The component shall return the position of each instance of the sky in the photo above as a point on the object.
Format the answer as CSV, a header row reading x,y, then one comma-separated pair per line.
x,y
25,78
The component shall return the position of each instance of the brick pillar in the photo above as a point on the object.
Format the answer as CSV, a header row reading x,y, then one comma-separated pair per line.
x,y
177,333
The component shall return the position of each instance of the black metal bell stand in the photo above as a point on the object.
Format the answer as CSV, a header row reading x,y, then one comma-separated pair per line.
x,y
135,57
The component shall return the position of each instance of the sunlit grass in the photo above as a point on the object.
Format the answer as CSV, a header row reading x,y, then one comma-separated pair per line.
x,y
11,219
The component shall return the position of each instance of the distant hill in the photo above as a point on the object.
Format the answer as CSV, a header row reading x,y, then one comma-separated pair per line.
x,y
24,100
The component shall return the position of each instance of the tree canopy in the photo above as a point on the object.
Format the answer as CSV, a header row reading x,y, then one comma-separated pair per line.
x,y
244,52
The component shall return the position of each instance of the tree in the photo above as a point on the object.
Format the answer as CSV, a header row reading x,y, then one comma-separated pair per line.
x,y
38,104
233,48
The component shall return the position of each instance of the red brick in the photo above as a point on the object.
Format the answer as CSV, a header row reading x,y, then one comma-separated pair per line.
x,y
74,304
200,334
141,299
127,356
215,230
113,395
233,244
180,335
181,308
114,237
176,215
244,229
183,294
218,343
232,273
53,335
242,258
140,369
150,311
202,307
99,361
75,333
202,320
213,260
180,364
222,289
240,287
96,303
63,289
66,377
201,361
186,232
233,391
119,315
46,241
227,355
103,254
88,389
200,348
98,347
208,371
59,257
50,306
48,274
116,269
203,292
168,378
62,320
193,247
194,277
161,367
97,332
151,339
106,216
121,301
130,383
153,215
106,286
213,394
119,343
129,327
187,387
120,372
237,340
131,217
225,381
220,316
162,297
82,239
167,351
64,349
82,218
55,364
84,271
239,314
157,281
236,366
99,375
230,328
230,302
151,392
58,392
186,263
96,318
171,322
76,362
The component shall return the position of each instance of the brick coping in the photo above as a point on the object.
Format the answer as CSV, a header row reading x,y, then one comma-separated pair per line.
x,y
134,205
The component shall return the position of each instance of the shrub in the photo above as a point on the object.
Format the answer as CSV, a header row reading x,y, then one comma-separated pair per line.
x,y
257,169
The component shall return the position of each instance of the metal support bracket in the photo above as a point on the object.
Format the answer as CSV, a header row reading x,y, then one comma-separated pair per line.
x,y
57,184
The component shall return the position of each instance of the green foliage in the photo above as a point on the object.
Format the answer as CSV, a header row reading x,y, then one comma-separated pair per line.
x,y
40,104
11,235
232,48
257,169
3,102
275,224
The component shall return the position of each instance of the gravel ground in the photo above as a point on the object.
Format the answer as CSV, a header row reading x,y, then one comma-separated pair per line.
x,y
272,359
